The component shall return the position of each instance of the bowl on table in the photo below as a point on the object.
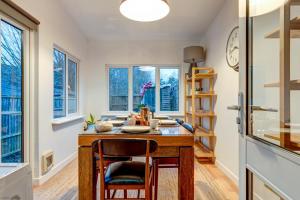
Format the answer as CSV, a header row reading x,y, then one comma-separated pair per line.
x,y
116,122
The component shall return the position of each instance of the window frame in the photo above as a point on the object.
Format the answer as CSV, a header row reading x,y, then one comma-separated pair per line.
x,y
68,57
157,87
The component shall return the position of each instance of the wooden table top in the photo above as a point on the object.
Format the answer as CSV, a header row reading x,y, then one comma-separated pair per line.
x,y
167,136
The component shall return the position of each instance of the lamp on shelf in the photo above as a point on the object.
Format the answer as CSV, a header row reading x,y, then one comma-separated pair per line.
x,y
193,55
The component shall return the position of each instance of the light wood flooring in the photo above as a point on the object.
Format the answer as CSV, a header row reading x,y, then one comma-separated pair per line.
x,y
210,184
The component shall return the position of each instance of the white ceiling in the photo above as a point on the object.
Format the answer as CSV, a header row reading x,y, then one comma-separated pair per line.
x,y
101,20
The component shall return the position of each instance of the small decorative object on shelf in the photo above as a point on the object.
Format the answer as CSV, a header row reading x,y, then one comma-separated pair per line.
x,y
199,111
198,90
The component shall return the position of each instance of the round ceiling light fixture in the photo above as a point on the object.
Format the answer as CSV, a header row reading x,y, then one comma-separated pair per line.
x,y
260,7
144,10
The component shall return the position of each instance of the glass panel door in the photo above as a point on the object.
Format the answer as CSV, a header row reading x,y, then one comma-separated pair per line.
x,y
12,144
274,75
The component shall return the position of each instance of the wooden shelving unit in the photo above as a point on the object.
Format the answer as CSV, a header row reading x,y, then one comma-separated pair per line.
x,y
294,30
199,111
294,85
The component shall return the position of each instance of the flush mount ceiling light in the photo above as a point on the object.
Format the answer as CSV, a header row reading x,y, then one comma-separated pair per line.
x,y
144,10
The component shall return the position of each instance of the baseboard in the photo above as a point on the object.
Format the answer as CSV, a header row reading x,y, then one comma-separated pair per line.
x,y
56,168
227,172
257,196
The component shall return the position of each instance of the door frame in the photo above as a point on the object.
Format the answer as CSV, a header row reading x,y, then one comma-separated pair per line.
x,y
26,71
275,166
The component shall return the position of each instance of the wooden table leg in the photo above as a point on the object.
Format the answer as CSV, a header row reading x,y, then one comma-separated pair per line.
x,y
186,174
86,185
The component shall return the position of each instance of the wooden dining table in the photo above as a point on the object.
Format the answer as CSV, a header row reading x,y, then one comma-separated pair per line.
x,y
173,142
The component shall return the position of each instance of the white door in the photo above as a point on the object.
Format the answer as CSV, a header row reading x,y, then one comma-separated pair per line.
x,y
269,99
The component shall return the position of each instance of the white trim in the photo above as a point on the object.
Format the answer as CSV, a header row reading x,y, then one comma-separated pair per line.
x,y
227,172
257,196
63,120
56,169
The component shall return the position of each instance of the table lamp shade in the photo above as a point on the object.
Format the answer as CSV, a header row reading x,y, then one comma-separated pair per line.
x,y
194,54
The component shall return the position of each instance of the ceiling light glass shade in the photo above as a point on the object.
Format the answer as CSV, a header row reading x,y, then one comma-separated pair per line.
x,y
260,7
144,10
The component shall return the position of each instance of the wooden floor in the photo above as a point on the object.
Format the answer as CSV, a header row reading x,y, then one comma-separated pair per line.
x,y
210,184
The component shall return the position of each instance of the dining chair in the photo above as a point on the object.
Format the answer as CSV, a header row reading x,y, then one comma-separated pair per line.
x,y
126,175
168,162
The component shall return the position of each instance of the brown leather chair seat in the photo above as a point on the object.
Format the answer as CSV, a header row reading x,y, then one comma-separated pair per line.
x,y
125,172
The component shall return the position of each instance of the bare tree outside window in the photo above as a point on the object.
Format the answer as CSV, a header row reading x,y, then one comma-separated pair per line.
x,y
11,93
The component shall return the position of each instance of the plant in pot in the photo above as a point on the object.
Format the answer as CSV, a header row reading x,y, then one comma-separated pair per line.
x,y
90,121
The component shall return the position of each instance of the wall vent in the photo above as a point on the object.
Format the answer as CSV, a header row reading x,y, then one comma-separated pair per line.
x,y
47,161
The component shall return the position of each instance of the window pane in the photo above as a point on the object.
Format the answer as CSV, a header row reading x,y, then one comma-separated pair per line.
x,y
118,89
59,84
11,94
169,89
143,87
72,87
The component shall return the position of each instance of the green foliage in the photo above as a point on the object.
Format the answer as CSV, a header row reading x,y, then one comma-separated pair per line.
x,y
91,120
141,106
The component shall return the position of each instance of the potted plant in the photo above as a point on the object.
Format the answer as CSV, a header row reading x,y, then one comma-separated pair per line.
x,y
90,121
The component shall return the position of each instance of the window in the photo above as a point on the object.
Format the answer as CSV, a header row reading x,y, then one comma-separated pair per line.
x,y
118,89
72,87
11,93
143,87
59,84
65,77
169,89
157,87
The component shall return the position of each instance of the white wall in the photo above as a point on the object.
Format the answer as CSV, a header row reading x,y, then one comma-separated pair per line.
x,y
226,88
126,52
56,28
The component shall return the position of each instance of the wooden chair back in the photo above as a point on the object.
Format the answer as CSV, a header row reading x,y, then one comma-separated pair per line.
x,y
126,147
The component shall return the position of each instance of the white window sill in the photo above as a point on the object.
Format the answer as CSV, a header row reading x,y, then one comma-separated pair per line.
x,y
64,120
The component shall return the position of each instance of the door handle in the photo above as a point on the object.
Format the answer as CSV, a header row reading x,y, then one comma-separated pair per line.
x,y
239,108
234,107
259,108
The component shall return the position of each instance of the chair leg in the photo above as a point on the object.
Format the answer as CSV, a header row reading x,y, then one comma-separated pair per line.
x,y
156,178
113,194
138,194
150,192
108,194
125,194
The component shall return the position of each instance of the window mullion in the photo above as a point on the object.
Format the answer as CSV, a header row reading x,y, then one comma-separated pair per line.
x,y
157,90
130,89
66,85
